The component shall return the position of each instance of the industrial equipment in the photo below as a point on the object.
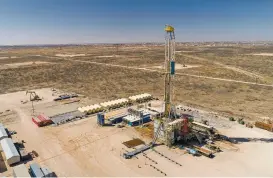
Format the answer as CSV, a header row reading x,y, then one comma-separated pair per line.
x,y
66,96
33,97
203,151
169,74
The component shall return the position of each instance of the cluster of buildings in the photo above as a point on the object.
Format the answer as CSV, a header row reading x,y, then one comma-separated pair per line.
x,y
34,171
130,116
11,153
42,120
14,156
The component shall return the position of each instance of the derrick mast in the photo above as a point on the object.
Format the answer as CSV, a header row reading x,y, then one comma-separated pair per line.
x,y
169,68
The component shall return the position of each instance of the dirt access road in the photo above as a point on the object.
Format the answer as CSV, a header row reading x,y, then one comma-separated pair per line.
x,y
154,70
251,74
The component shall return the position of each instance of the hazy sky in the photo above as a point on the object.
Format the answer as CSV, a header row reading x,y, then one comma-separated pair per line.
x,y
94,21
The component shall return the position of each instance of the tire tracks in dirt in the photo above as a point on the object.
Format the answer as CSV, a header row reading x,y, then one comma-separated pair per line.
x,y
158,71
250,74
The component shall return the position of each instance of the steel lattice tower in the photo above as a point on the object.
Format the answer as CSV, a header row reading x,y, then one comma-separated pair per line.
x,y
169,67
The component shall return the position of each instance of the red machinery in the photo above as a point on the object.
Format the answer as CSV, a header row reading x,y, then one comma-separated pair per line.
x,y
41,120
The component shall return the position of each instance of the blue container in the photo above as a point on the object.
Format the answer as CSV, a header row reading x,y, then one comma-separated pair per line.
x,y
192,151
146,118
172,67
117,120
100,118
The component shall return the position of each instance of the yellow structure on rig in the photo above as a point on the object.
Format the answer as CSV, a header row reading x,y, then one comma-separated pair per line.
x,y
169,28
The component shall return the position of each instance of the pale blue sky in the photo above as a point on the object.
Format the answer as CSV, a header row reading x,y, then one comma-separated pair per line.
x,y
115,21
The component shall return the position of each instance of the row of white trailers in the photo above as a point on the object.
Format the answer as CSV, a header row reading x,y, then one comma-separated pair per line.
x,y
115,103
11,154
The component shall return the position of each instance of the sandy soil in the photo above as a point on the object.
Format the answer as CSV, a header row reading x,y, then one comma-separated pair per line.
x,y
22,64
7,57
82,148
263,54
69,55
107,56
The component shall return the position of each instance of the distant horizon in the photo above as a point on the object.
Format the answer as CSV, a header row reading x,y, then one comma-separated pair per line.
x,y
112,43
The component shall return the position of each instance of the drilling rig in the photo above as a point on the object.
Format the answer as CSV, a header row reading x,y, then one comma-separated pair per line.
x,y
161,129
169,113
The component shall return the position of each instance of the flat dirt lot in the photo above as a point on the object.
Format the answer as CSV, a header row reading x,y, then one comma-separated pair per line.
x,y
82,148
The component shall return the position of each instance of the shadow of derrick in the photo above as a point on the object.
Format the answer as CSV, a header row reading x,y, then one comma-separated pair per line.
x,y
242,140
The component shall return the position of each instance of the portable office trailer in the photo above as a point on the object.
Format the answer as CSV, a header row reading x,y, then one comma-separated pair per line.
x,y
3,132
35,170
47,172
133,120
117,119
21,171
10,151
